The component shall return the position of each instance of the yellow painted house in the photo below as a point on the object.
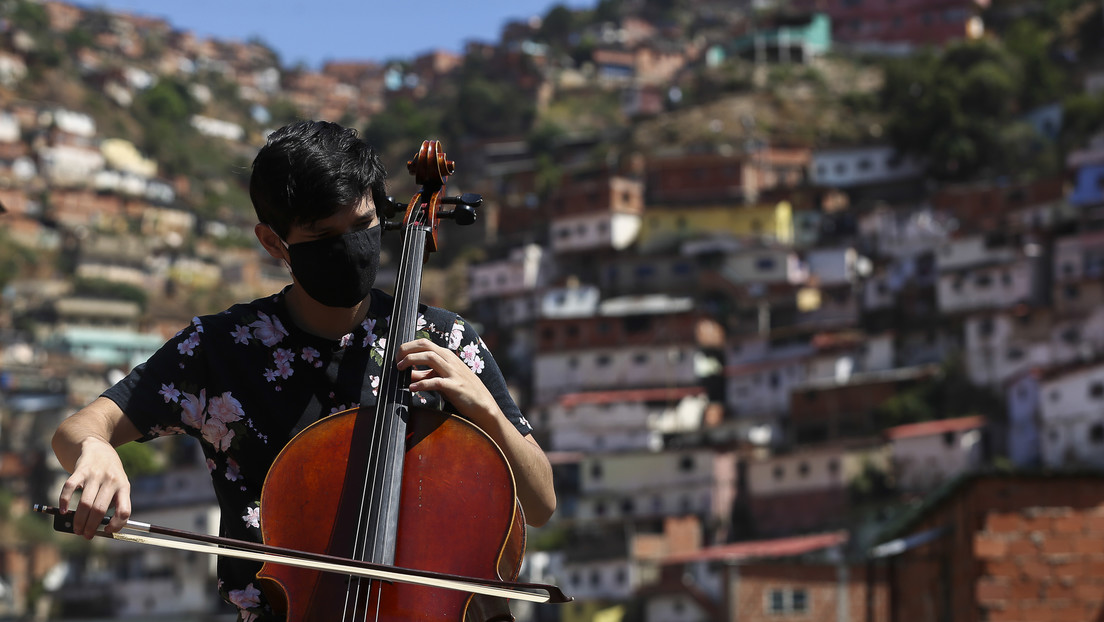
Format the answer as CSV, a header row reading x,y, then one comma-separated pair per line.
x,y
663,226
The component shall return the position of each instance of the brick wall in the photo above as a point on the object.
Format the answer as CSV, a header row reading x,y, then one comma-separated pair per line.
x,y
1042,563
1020,548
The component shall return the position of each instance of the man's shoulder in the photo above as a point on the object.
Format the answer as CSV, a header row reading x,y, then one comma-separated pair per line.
x,y
266,309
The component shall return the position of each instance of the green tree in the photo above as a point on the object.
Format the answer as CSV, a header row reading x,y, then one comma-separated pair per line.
x,y
557,26
1031,43
139,459
15,260
952,108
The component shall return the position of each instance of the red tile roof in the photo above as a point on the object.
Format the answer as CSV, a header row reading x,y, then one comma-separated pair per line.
x,y
779,547
932,428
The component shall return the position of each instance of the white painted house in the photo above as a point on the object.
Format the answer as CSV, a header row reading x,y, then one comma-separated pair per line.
x,y
929,453
1071,416
625,420
625,486
860,166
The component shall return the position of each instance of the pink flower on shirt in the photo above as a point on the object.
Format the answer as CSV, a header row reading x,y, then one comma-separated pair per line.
x,y
268,329
225,408
193,408
170,393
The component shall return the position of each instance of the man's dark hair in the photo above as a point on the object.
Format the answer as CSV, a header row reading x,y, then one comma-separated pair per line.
x,y
308,170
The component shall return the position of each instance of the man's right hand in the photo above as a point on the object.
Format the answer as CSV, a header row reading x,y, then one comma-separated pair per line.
x,y
103,484
85,446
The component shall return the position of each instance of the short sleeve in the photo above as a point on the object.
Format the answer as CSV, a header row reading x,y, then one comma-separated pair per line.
x,y
155,395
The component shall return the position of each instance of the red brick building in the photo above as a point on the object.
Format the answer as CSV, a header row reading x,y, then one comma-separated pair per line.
x,y
796,578
1001,548
914,23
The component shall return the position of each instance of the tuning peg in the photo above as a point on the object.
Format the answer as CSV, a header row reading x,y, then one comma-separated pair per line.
x,y
464,214
468,198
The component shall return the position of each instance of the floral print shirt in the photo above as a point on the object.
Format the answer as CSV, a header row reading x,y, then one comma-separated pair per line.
x,y
240,382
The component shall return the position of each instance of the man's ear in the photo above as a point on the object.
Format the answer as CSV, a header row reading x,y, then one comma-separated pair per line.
x,y
270,241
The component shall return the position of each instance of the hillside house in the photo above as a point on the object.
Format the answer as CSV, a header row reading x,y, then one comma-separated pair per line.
x,y
999,345
977,273
1071,416
895,26
643,485
667,225
828,410
758,383
797,38
614,66
116,258
712,178
77,208
609,563
808,489
850,168
595,211
760,580
658,61
764,264
1017,206
1078,265
77,312
1087,168
618,421
526,272
631,274
925,455
70,165
639,342
902,232
836,356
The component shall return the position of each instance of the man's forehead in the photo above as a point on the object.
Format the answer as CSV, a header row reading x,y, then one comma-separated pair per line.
x,y
364,209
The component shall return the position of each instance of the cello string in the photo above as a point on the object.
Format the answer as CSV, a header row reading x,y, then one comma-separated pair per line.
x,y
404,316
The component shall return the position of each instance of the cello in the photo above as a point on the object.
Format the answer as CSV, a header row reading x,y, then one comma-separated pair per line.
x,y
400,486
394,491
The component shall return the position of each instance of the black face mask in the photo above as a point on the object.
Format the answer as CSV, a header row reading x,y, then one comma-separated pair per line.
x,y
338,271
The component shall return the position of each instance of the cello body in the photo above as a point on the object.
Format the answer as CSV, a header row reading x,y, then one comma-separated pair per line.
x,y
458,515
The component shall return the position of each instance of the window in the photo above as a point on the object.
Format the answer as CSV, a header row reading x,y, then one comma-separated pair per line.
x,y
627,507
596,470
779,472
776,601
764,263
949,439
1096,433
799,601
1097,390
787,601
686,463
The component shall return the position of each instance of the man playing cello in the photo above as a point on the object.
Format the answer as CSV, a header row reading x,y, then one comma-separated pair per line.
x,y
244,381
